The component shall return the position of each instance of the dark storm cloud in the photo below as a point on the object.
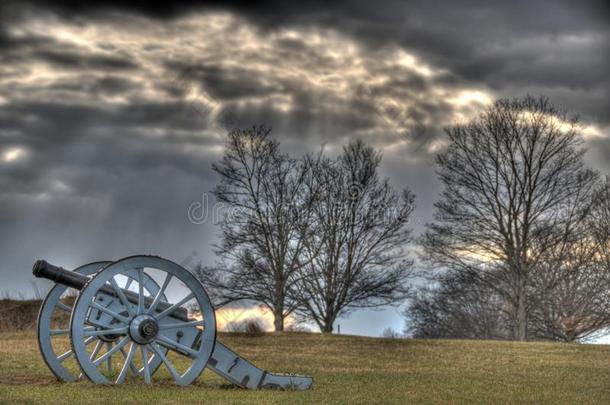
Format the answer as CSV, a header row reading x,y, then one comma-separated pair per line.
x,y
107,85
112,112
41,48
79,61
274,10
124,134
504,44
224,83
548,44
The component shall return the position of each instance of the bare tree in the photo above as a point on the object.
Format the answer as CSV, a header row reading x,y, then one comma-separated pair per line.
x,y
390,333
600,222
567,293
510,178
264,229
356,256
458,305
571,284
568,289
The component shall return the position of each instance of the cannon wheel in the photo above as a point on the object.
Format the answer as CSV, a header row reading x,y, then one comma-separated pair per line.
x,y
129,327
46,333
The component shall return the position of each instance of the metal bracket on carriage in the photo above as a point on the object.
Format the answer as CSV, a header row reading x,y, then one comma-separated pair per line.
x,y
113,317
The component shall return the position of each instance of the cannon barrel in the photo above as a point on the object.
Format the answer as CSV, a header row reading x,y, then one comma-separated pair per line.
x,y
59,275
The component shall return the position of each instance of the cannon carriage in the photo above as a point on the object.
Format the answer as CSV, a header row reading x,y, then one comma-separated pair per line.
x,y
135,316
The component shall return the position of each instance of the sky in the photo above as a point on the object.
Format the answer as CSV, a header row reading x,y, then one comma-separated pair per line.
x,y
112,113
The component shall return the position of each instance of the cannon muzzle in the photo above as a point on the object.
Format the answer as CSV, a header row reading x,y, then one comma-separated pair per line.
x,y
59,275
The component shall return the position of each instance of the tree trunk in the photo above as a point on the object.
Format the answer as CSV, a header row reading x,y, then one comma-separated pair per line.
x,y
520,327
328,323
278,318
327,328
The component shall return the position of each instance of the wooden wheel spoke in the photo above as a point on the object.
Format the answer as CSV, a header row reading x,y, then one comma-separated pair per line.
x,y
146,367
119,292
114,331
168,364
132,366
63,307
157,299
174,307
96,349
179,347
140,290
65,355
127,364
112,351
110,312
181,325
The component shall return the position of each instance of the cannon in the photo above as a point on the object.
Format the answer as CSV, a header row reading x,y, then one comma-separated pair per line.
x,y
133,316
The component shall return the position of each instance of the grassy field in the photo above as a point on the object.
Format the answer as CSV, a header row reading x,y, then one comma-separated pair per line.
x,y
347,369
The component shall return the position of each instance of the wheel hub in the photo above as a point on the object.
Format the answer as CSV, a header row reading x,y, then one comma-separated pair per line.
x,y
143,329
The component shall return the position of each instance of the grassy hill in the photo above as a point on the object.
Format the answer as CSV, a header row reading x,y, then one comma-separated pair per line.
x,y
18,314
347,369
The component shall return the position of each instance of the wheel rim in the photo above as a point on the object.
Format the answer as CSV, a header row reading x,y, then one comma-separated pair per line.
x,y
56,360
46,333
135,329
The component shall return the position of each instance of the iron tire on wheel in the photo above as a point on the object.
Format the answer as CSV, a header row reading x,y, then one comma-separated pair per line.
x,y
45,318
105,278
52,302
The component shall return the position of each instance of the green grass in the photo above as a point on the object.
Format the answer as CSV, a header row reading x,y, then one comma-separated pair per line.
x,y
347,369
